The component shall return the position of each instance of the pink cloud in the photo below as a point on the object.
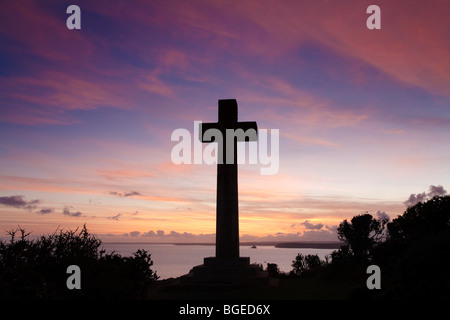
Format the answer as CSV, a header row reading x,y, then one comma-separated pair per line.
x,y
124,174
167,59
49,185
410,34
153,84
40,33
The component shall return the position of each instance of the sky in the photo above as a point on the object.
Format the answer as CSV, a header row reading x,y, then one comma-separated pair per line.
x,y
87,116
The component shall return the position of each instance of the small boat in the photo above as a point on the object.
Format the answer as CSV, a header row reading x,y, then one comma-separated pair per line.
x,y
253,247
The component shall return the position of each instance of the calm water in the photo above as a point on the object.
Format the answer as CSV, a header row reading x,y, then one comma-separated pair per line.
x,y
174,261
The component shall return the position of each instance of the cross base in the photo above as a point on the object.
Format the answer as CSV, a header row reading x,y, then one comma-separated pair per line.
x,y
214,262
218,271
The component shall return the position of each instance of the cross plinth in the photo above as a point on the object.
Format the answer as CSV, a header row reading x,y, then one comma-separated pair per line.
x,y
226,132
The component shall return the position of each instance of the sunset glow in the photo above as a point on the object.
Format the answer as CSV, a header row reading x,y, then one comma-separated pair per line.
x,y
86,116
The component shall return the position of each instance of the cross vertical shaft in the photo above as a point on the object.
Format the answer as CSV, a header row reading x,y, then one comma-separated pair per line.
x,y
227,208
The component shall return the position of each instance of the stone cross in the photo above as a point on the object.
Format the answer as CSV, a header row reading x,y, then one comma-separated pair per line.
x,y
227,132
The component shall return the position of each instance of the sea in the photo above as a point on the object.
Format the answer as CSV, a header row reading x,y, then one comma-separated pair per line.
x,y
171,260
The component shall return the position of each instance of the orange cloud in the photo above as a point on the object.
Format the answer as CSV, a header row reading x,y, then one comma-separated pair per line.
x,y
19,183
123,174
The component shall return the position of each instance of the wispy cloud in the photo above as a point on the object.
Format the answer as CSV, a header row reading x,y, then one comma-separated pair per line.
x,y
312,226
124,194
88,115
116,217
160,236
46,211
123,215
123,174
19,202
67,212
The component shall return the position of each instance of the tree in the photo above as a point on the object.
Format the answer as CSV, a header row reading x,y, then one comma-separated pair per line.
x,y
423,219
361,233
273,269
303,263
37,269
416,251
299,264
342,255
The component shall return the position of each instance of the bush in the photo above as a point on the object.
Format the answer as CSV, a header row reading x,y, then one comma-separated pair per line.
x,y
36,269
412,256
361,234
421,220
303,263
273,270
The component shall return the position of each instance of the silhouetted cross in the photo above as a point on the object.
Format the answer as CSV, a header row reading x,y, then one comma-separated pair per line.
x,y
227,132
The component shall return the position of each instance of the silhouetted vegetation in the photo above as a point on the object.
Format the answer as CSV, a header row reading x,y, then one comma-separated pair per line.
x,y
415,254
412,252
304,263
36,269
361,234
273,270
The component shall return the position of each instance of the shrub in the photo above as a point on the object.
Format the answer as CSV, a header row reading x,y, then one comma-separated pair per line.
x,y
36,269
303,263
273,270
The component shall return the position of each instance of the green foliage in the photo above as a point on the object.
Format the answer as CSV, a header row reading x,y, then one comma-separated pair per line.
x,y
36,269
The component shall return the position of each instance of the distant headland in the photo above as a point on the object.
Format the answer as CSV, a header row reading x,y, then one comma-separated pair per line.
x,y
298,244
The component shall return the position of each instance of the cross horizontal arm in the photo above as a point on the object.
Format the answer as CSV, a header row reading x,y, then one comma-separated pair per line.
x,y
242,131
250,131
205,127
